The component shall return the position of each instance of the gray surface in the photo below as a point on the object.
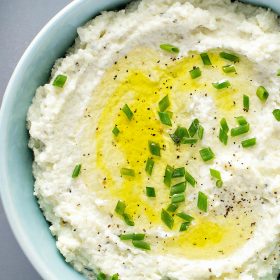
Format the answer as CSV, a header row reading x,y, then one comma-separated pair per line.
x,y
20,21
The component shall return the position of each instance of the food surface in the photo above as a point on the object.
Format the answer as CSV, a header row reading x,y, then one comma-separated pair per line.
x,y
156,143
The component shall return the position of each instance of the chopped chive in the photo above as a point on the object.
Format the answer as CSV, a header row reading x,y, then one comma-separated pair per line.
x,y
150,192
115,277
262,93
127,111
184,226
168,175
246,102
278,72
127,172
167,218
195,72
178,197
215,173
190,179
224,125
149,166
181,132
178,172
221,84
76,171
178,188
175,138
140,244
154,148
229,56
116,131
229,69
200,132
205,58
249,142
172,207
223,136
185,216
190,141
101,276
193,127
206,154
165,118
219,183
202,201
276,114
132,236
241,120
59,81
169,48
120,207
128,220
240,130
164,103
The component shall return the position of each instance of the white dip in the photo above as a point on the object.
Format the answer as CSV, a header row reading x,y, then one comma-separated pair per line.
x,y
117,60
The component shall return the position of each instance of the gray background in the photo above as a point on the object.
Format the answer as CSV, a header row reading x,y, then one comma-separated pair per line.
x,y
20,21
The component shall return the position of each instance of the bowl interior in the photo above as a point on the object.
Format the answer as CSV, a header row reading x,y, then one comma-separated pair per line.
x,y
26,219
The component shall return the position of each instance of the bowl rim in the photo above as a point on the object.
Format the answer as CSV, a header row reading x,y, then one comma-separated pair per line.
x,y
5,195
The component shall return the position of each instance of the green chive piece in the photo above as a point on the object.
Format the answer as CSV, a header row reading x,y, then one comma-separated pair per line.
x,y
178,172
219,183
164,103
195,72
240,130
223,136
224,125
120,207
168,175
229,56
249,142
172,207
132,236
193,127
278,72
178,197
246,103
205,59
59,81
127,111
262,93
149,166
127,172
165,118
202,202
181,132
101,276
185,216
128,220
150,192
169,48
190,141
140,244
178,188
206,154
229,69
276,114
77,170
200,132
221,84
175,138
115,276
154,148
116,131
190,179
215,173
184,226
167,218
241,120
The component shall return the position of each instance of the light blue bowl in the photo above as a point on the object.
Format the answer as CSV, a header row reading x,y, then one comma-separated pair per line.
x,y
25,217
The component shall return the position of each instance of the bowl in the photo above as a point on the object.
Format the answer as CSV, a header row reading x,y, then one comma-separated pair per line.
x,y
16,180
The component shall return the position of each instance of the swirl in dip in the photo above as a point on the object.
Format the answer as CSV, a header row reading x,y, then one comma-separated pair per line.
x,y
157,144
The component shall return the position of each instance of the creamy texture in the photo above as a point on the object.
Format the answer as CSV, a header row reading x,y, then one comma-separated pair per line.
x,y
115,61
